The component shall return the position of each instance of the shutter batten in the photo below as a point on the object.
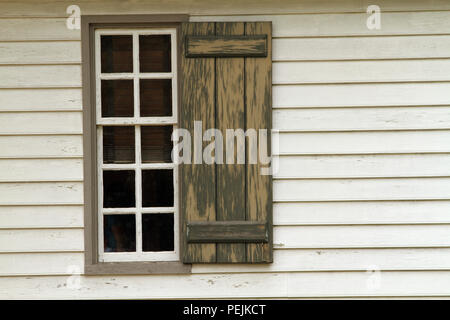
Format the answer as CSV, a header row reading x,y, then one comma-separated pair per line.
x,y
226,46
226,209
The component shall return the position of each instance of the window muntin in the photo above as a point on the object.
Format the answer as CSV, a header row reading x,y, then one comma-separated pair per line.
x,y
139,158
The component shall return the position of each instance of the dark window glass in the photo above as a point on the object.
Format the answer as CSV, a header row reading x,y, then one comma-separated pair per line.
x,y
118,144
119,232
117,53
118,189
117,98
156,97
157,188
157,232
154,53
156,143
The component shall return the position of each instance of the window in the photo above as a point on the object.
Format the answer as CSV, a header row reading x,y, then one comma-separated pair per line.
x,y
136,106
144,77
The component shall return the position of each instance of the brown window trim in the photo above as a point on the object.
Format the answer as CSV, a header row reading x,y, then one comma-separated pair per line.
x,y
88,25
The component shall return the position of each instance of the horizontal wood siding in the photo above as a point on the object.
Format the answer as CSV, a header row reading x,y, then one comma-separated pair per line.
x,y
364,142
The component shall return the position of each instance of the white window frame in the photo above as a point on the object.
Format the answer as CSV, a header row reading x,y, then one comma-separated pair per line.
x,y
138,166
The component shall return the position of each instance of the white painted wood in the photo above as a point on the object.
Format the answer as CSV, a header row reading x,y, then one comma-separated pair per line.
x,y
14,264
267,285
361,189
364,212
310,25
40,99
41,146
234,7
32,76
361,71
23,217
364,166
41,240
341,260
348,24
41,170
37,29
284,261
363,142
21,193
362,119
41,123
376,236
56,52
136,121
360,48
377,94
140,121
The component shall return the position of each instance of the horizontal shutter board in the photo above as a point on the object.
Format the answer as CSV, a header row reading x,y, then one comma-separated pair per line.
x,y
258,79
227,231
230,114
227,45
197,180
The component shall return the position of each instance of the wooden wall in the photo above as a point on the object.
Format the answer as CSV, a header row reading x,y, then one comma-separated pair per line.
x,y
362,197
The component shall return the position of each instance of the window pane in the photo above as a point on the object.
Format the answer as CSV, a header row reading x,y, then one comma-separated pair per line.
x,y
154,53
118,189
157,232
156,143
119,232
157,188
117,98
117,53
156,97
118,145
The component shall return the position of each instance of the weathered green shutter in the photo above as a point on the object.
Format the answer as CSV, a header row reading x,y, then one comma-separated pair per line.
x,y
226,79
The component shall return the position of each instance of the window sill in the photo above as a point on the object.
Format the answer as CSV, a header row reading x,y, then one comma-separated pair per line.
x,y
133,268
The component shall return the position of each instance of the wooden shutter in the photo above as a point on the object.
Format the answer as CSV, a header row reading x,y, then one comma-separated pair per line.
x,y
226,79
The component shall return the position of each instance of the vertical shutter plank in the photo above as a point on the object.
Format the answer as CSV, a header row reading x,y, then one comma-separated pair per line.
x,y
197,180
230,114
258,78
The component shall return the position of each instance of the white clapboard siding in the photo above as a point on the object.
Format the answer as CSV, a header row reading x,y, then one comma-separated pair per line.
x,y
202,7
245,285
41,123
13,264
41,146
40,99
341,260
41,240
363,236
360,48
14,29
363,166
16,217
233,7
293,260
33,76
341,119
312,25
362,142
41,170
361,71
373,94
30,52
361,189
363,212
348,24
22,193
